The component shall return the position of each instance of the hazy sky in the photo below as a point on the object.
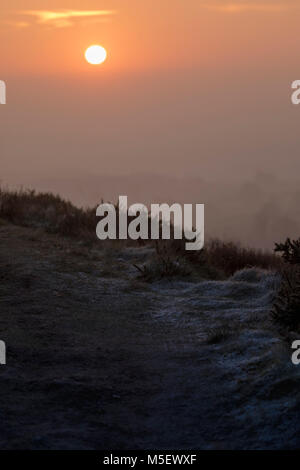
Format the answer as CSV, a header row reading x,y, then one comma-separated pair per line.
x,y
191,88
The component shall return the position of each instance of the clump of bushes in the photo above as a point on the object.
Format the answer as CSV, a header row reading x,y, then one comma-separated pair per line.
x,y
219,260
230,257
286,308
289,250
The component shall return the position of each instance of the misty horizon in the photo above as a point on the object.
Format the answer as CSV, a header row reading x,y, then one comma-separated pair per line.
x,y
256,212
209,102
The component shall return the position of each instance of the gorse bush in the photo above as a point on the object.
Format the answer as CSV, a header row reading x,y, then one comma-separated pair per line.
x,y
289,250
286,308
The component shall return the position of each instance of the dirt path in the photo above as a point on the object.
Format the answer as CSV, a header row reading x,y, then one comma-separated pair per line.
x,y
98,360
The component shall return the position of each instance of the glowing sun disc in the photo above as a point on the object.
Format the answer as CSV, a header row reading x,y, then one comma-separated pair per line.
x,y
95,55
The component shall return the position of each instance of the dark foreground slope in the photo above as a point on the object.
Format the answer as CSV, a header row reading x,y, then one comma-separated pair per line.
x,y
97,359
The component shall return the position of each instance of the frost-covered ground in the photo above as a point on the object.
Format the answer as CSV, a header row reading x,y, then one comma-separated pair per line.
x,y
97,359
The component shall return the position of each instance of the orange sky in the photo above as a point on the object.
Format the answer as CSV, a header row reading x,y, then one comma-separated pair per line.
x,y
190,87
145,34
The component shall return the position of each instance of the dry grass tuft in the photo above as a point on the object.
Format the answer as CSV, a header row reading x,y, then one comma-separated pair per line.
x,y
45,210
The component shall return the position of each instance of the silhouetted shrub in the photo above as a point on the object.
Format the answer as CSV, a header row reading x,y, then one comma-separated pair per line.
x,y
286,307
289,250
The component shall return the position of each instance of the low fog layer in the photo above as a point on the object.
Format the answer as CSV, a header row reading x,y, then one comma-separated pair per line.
x,y
175,136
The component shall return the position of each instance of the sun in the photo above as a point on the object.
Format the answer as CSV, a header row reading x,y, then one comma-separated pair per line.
x,y
95,55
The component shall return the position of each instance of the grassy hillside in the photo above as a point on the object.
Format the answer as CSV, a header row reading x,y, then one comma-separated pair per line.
x,y
127,345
